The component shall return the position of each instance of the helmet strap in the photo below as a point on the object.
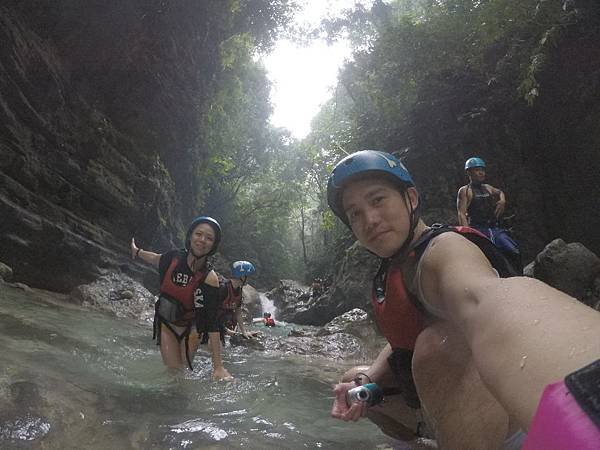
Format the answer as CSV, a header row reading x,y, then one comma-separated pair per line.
x,y
402,253
196,259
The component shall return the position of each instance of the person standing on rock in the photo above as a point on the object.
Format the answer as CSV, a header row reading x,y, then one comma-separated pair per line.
x,y
230,314
188,303
486,358
481,206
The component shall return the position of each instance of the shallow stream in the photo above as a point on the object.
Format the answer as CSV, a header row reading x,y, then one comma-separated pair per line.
x,y
71,378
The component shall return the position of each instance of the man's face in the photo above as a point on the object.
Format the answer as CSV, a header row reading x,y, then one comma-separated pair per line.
x,y
477,174
202,240
378,214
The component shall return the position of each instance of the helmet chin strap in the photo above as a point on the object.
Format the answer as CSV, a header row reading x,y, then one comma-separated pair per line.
x,y
196,258
403,251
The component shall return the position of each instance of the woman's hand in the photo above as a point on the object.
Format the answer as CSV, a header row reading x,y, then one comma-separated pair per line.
x,y
221,374
341,410
134,249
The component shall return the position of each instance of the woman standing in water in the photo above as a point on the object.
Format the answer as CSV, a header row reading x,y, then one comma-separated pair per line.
x,y
189,297
489,355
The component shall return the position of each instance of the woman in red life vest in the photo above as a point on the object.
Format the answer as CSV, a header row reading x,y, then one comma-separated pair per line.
x,y
189,297
480,349
230,315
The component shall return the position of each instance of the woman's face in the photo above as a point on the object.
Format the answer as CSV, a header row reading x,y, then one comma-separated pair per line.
x,y
202,239
378,214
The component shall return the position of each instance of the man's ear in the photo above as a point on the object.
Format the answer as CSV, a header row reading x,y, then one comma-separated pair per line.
x,y
413,197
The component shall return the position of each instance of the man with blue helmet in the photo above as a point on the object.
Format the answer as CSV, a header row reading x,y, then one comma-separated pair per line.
x,y
481,205
188,303
480,348
230,315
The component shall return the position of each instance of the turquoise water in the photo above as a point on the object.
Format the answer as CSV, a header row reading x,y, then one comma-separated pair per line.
x,y
74,378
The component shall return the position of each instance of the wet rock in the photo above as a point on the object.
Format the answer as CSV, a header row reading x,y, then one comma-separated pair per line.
x,y
256,343
357,323
350,289
117,294
337,346
571,268
296,333
251,300
6,273
127,294
349,320
21,286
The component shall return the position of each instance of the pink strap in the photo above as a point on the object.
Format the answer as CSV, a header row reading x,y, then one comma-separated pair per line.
x,y
560,424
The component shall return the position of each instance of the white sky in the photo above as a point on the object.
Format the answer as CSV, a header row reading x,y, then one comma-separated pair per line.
x,y
302,77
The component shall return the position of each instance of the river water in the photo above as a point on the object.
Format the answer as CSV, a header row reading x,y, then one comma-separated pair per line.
x,y
71,378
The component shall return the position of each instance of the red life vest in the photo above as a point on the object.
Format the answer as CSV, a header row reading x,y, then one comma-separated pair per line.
x,y
269,322
184,294
398,313
233,299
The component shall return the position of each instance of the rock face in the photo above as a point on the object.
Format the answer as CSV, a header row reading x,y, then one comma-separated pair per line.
x,y
73,188
97,119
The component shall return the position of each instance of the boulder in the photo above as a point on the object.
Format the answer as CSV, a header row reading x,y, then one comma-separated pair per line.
x,y
357,323
251,303
571,268
351,288
116,294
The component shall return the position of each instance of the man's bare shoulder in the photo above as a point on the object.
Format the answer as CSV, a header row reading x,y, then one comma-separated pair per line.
x,y
448,248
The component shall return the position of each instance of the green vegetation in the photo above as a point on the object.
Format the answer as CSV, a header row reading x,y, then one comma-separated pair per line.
x,y
176,90
438,80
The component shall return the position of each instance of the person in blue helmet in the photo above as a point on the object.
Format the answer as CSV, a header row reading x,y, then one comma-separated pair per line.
x,y
188,303
484,355
230,314
481,205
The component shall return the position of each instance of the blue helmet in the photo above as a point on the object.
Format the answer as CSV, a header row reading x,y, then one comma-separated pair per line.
x,y
474,162
241,269
365,161
215,226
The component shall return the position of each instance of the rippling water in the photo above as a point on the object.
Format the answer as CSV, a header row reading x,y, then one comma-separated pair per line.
x,y
72,378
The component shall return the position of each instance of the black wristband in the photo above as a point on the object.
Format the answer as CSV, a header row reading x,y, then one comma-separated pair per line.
x,y
357,379
137,252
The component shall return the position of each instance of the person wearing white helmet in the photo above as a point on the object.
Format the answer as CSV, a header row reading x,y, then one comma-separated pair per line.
x,y
481,205
188,303
489,353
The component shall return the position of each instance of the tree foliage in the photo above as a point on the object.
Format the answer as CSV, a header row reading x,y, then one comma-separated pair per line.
x,y
439,79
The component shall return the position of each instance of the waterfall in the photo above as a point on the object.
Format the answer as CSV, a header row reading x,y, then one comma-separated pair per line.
x,y
267,305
